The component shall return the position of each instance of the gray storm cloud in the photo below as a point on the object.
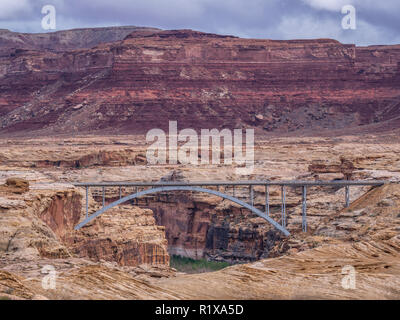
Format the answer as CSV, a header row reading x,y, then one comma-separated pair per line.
x,y
377,21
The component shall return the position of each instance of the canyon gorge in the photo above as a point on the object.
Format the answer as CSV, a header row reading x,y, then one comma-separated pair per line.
x,y
75,106
130,245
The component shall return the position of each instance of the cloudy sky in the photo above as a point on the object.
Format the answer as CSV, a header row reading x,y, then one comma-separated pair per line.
x,y
377,21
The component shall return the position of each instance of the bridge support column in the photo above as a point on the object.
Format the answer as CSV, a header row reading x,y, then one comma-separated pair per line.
x,y
120,193
347,195
267,200
304,208
87,201
251,195
104,196
283,193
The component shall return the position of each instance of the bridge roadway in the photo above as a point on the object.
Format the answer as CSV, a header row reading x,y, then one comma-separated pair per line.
x,y
201,186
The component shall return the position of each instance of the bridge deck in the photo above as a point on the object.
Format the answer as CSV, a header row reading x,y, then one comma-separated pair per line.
x,y
341,183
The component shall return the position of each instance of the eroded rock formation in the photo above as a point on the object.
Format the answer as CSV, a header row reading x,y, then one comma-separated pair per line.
x,y
126,235
200,80
40,225
372,248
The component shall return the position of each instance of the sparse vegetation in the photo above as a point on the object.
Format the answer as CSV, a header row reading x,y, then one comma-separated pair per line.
x,y
189,265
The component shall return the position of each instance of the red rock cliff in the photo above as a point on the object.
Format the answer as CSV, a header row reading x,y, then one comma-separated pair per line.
x,y
202,81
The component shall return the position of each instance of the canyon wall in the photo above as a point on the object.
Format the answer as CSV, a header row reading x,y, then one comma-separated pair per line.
x,y
40,224
214,229
202,81
364,236
196,225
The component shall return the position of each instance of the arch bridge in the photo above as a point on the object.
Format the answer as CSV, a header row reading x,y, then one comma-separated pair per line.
x,y
146,188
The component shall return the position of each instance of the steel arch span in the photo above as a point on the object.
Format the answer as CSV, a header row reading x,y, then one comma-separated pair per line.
x,y
183,188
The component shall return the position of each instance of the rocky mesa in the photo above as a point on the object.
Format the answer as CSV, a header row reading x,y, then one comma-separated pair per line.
x,y
201,80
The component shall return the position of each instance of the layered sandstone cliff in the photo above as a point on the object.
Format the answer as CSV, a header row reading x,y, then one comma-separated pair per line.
x,y
40,224
202,81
